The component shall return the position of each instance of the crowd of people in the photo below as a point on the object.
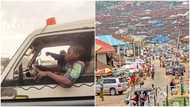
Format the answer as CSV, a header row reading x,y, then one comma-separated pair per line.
x,y
141,98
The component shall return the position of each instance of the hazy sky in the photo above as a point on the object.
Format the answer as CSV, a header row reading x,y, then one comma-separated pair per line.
x,y
18,18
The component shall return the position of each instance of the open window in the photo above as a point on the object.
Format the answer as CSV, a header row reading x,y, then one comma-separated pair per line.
x,y
22,74
43,60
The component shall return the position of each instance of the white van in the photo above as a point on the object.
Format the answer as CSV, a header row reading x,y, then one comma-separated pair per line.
x,y
17,86
112,85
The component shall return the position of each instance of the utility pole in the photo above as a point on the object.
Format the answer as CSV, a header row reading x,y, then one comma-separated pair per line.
x,y
178,37
179,33
167,103
133,48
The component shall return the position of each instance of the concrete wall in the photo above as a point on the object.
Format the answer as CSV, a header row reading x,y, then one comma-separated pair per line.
x,y
102,58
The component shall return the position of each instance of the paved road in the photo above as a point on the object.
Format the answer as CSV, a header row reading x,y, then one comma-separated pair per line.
x,y
111,100
160,80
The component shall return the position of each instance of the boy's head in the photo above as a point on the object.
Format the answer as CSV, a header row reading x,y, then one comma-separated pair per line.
x,y
75,52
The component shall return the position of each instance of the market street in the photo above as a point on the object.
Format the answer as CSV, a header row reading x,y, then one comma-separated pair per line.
x,y
160,80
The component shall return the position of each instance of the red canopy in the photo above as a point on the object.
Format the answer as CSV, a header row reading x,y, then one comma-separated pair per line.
x,y
105,48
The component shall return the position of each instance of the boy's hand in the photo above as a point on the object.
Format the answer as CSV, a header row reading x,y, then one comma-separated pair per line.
x,y
41,74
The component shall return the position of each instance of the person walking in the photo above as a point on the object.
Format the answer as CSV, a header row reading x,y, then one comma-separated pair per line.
x,y
133,78
152,71
172,86
101,89
135,99
141,82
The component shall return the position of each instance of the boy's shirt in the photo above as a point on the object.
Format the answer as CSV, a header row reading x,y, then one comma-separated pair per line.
x,y
74,71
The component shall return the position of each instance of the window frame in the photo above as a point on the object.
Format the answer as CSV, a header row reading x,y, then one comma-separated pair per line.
x,y
26,45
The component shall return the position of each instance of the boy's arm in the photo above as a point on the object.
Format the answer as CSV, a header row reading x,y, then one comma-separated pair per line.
x,y
69,78
55,56
60,79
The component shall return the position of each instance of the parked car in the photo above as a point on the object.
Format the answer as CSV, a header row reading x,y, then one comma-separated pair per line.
x,y
112,85
132,65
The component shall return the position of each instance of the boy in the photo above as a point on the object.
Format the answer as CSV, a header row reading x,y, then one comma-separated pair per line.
x,y
74,68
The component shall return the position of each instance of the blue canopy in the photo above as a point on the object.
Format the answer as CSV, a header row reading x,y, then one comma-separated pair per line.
x,y
157,23
111,40
160,39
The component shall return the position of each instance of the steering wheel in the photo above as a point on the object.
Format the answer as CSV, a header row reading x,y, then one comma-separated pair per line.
x,y
30,72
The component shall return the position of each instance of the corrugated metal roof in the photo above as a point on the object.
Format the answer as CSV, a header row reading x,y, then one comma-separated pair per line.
x,y
110,40
105,48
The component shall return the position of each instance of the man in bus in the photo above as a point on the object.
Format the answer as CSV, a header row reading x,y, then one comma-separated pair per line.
x,y
70,72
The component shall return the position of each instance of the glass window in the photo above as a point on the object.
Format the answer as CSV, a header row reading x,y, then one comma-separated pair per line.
x,y
107,81
46,60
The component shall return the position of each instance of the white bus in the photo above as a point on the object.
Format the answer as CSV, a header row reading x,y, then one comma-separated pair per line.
x,y
17,86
